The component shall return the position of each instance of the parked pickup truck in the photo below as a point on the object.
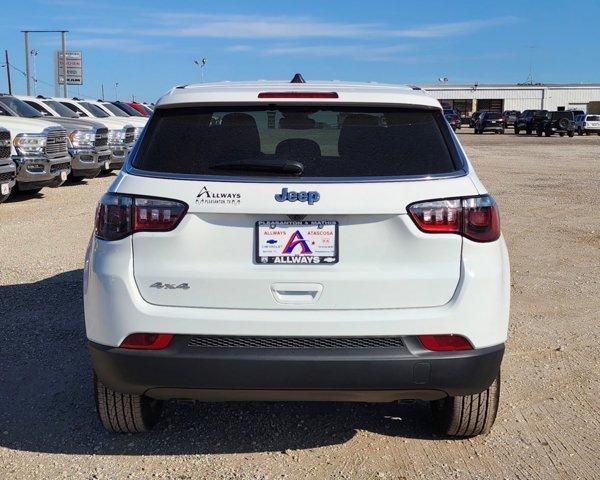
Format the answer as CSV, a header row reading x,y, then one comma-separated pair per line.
x,y
121,135
7,166
87,140
529,120
39,150
114,110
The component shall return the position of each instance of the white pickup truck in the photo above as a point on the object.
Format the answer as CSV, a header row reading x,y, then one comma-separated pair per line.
x,y
39,151
7,166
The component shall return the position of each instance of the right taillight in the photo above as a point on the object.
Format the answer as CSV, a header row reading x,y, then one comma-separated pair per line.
x,y
475,218
119,216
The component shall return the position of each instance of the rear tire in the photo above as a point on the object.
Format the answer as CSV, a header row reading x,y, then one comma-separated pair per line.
x,y
469,415
539,133
516,131
571,133
528,131
125,412
579,131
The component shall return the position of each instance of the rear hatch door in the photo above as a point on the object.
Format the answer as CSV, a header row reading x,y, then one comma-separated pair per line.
x,y
370,254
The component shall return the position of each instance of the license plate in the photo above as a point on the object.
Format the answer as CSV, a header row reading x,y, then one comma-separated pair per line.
x,y
106,165
301,242
63,175
4,189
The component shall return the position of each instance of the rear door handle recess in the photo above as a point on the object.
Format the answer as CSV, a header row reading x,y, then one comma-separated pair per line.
x,y
296,293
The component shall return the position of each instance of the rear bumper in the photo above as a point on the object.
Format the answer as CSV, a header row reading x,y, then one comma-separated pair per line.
x,y
355,374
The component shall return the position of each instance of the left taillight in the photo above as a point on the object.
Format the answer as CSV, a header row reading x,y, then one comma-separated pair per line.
x,y
147,341
119,216
475,218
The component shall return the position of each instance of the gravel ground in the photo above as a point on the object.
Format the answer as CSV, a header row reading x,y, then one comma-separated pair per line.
x,y
548,425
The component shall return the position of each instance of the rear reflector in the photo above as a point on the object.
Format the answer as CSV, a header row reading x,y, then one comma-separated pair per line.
x,y
119,216
298,95
147,341
475,218
445,343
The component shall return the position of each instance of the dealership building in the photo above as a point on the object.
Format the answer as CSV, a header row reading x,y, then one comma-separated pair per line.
x,y
499,97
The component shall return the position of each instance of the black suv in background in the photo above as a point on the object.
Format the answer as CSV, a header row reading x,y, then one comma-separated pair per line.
x,y
474,118
510,117
489,122
453,119
529,120
557,122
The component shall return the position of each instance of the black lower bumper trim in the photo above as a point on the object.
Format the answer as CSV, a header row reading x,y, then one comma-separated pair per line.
x,y
359,374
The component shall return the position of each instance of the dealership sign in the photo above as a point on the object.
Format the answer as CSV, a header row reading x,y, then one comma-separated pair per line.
x,y
74,74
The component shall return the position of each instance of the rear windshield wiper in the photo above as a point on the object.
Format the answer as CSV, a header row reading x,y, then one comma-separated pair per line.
x,y
287,168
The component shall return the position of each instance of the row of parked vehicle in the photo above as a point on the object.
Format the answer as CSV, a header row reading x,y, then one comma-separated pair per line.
x,y
540,122
47,141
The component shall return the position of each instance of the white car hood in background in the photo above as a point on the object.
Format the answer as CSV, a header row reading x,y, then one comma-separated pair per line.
x,y
18,125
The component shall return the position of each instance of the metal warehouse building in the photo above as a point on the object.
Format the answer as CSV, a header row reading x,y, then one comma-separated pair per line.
x,y
497,98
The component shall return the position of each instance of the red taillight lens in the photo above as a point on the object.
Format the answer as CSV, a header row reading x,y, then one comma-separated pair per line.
x,y
119,216
475,218
445,343
147,341
298,95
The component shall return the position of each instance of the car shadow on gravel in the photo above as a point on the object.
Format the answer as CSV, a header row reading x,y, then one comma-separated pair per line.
x,y
18,197
46,402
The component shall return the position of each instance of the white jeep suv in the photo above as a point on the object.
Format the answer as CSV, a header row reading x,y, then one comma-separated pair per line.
x,y
297,241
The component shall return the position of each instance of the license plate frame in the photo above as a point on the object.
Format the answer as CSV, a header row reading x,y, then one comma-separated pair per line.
x,y
326,249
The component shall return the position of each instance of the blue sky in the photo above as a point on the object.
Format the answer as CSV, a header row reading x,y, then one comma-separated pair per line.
x,y
149,46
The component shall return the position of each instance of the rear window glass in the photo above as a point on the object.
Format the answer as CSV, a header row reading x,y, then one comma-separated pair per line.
x,y
317,141
494,116
593,118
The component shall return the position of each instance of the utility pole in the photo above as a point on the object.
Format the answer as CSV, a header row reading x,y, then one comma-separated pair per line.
x,y
34,53
530,76
103,92
27,75
8,72
63,34
63,41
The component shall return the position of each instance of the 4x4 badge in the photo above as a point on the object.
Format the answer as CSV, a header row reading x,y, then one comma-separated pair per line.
x,y
170,286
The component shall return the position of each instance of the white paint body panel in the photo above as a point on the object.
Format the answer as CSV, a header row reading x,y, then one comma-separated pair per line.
x,y
392,279
478,310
